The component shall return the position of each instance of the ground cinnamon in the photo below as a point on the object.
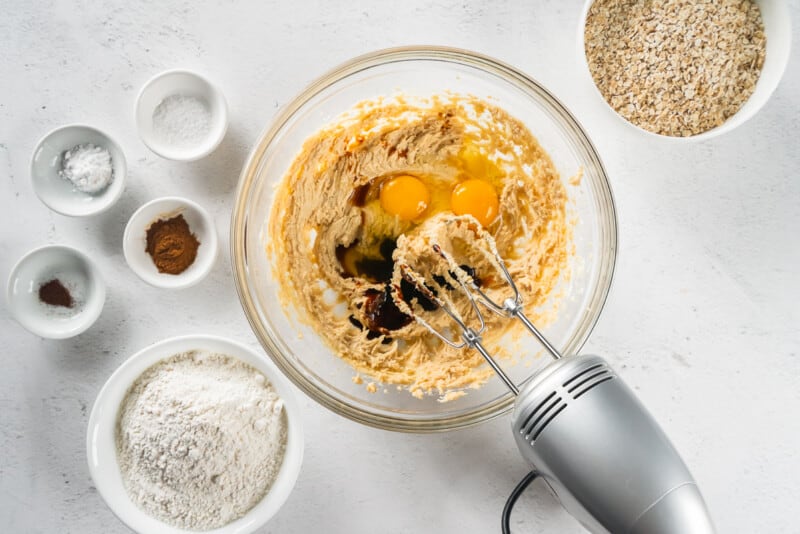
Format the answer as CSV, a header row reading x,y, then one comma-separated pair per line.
x,y
172,245
55,294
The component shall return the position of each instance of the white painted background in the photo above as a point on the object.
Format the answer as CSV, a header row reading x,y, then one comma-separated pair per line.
x,y
702,319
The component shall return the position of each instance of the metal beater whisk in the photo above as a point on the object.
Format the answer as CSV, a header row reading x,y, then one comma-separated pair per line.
x,y
511,308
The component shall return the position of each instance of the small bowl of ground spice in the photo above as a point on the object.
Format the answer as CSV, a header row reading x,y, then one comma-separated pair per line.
x,y
170,242
55,292
685,69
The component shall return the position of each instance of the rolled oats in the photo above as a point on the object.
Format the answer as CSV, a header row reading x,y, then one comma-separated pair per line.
x,y
675,67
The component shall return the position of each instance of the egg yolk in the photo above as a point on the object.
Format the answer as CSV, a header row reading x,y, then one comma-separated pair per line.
x,y
477,198
405,196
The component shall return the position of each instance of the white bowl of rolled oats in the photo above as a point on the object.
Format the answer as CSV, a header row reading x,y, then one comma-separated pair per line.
x,y
685,69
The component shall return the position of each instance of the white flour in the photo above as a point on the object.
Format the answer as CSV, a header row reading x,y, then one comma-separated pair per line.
x,y
182,121
200,439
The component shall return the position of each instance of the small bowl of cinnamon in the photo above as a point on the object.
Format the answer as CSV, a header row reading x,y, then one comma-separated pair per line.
x,y
170,242
55,292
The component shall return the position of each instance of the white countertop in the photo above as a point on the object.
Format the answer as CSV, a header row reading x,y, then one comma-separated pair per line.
x,y
702,318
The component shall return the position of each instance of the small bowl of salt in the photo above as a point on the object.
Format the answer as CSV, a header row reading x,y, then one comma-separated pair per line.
x,y
181,115
77,170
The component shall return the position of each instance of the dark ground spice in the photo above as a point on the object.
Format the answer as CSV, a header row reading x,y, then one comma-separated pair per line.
x,y
54,293
172,245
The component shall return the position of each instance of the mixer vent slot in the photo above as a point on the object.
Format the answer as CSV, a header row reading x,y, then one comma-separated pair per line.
x,y
582,373
588,379
541,416
547,421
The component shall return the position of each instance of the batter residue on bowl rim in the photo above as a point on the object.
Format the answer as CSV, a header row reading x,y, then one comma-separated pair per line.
x,y
390,171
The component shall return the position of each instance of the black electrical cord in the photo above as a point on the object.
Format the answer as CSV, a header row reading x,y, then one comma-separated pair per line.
x,y
512,500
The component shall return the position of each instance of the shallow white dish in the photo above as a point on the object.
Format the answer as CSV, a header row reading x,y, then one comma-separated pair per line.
x,y
189,84
58,193
101,444
135,238
76,271
777,28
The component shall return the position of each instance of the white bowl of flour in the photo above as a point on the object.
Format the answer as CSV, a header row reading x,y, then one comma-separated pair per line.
x,y
195,434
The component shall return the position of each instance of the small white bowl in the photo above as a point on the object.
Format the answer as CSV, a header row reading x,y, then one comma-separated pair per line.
x,y
778,30
76,271
134,241
58,193
186,84
101,442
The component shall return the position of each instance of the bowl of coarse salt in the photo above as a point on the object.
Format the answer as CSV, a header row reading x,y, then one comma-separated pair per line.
x,y
78,170
181,115
195,434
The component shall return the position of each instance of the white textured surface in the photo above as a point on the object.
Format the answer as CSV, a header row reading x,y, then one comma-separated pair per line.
x,y
702,319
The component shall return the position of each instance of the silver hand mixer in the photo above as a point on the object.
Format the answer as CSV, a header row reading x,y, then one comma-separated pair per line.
x,y
582,428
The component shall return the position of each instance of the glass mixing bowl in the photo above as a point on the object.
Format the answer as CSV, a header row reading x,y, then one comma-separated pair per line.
x,y
299,351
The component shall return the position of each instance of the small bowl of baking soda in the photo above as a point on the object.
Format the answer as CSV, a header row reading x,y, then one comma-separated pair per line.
x,y
181,115
77,170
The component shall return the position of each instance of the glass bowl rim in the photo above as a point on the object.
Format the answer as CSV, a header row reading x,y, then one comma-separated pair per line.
x,y
238,231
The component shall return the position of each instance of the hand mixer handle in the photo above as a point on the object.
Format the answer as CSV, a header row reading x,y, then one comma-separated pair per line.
x,y
603,454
